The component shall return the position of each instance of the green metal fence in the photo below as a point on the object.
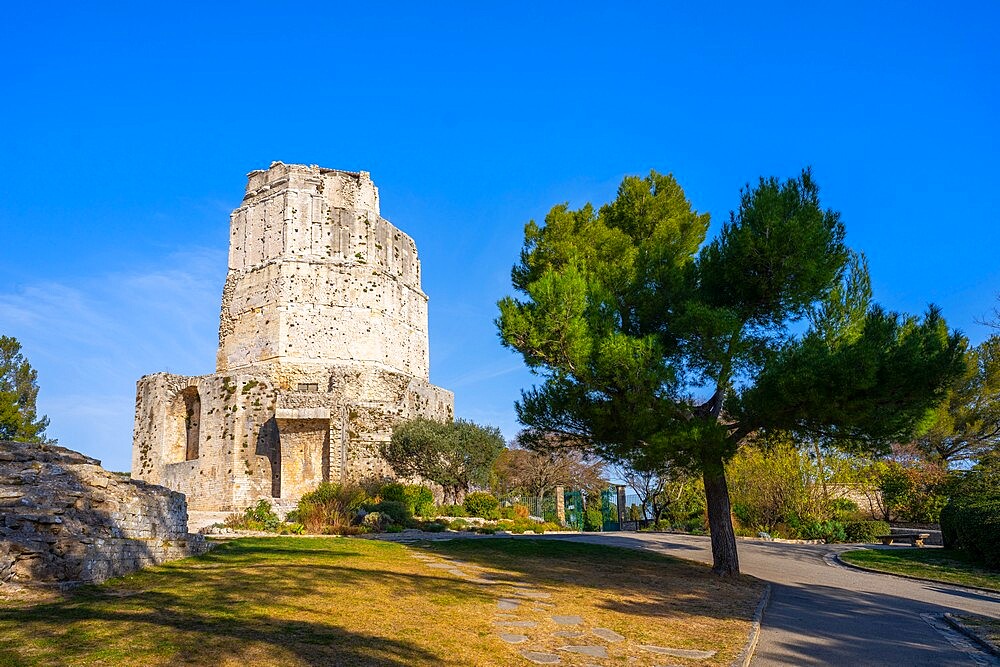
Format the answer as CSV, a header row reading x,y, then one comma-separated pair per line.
x,y
573,503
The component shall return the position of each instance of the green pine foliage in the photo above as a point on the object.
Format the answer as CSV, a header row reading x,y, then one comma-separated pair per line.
x,y
966,424
658,347
19,420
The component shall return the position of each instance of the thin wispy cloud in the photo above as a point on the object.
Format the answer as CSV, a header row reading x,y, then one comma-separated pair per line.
x,y
484,374
92,338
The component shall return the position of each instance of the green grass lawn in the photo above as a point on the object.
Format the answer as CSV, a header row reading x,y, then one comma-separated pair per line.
x,y
337,601
945,565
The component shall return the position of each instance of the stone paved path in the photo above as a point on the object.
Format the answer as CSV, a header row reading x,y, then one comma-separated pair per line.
x,y
523,617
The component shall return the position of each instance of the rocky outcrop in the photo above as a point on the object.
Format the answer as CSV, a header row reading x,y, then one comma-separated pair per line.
x,y
64,518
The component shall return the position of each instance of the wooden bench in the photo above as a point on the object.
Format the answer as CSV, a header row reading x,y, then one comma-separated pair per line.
x,y
915,539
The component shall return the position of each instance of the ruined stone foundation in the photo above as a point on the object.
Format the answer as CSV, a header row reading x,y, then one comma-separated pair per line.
x,y
65,519
322,348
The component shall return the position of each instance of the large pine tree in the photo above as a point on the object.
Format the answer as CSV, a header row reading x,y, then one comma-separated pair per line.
x,y
657,348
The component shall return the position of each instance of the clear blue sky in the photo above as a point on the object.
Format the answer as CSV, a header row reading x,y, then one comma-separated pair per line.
x,y
127,132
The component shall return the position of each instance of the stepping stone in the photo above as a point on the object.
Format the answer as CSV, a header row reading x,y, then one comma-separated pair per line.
x,y
534,595
517,624
608,635
678,652
513,639
541,658
506,604
457,573
568,620
568,634
480,580
592,651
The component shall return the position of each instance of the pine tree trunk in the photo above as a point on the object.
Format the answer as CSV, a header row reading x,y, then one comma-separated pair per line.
x,y
726,561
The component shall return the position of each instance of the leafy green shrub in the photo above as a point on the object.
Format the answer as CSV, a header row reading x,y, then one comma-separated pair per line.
x,y
260,517
593,519
974,524
482,504
843,509
396,511
393,528
521,525
950,516
458,524
330,507
829,531
694,525
434,526
420,499
393,492
375,521
865,531
769,486
914,493
451,510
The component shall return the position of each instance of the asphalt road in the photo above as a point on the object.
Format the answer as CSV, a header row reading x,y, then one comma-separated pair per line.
x,y
823,614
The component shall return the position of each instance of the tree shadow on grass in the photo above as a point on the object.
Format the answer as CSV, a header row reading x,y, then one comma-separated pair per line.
x,y
280,607
628,581
807,623
203,639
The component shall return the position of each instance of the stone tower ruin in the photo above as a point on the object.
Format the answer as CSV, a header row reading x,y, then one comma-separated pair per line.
x,y
322,348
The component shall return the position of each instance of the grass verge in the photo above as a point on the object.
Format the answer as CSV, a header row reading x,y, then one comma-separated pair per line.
x,y
944,565
330,601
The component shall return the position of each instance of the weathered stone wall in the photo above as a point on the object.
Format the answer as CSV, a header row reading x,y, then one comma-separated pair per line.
x,y
322,349
66,519
227,469
316,275
259,442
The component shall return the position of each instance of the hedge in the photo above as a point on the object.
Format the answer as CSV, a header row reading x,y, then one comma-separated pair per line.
x,y
973,525
483,505
865,531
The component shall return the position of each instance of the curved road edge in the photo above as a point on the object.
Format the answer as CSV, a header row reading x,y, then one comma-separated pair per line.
x,y
753,637
833,558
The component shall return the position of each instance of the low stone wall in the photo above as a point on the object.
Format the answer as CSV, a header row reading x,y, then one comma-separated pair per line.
x,y
65,519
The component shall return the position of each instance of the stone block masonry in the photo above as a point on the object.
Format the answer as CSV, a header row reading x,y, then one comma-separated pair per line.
x,y
322,349
66,519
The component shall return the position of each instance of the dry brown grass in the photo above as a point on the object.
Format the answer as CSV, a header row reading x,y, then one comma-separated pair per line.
x,y
331,601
